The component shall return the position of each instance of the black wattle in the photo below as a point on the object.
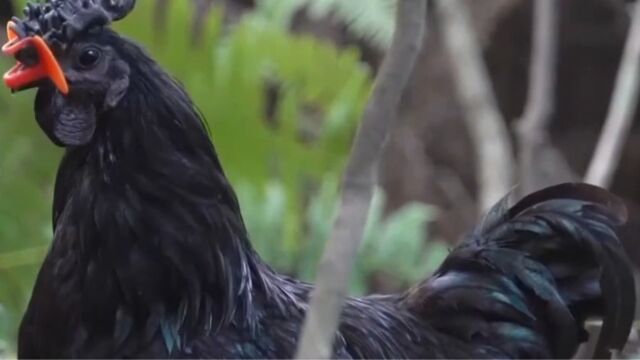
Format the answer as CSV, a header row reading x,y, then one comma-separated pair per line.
x,y
67,121
75,125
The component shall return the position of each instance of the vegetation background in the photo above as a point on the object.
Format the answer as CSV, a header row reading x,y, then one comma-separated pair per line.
x,y
284,156
283,83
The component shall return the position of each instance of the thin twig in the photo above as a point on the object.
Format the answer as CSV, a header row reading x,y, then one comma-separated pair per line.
x,y
7,10
622,107
360,176
160,12
485,123
201,9
456,195
621,110
532,128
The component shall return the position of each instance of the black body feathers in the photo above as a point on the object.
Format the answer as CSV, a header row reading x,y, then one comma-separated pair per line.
x,y
151,259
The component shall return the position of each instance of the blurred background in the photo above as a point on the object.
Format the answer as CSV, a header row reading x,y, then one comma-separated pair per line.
x,y
283,84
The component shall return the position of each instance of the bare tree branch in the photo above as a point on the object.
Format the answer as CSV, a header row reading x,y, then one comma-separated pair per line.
x,y
617,126
456,194
334,270
540,163
621,110
485,123
201,9
160,13
7,10
542,70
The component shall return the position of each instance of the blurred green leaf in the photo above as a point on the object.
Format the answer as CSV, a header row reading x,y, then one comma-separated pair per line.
x,y
370,20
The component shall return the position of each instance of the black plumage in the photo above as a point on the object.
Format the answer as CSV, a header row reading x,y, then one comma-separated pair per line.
x,y
151,258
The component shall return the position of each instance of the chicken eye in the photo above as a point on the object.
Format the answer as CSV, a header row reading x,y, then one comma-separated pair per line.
x,y
89,57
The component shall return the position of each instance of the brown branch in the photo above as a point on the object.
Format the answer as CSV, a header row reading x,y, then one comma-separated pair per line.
x,y
485,123
160,16
201,9
360,176
621,110
7,10
617,126
456,194
540,163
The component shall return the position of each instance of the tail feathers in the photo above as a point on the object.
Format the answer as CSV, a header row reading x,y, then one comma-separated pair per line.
x,y
580,220
526,280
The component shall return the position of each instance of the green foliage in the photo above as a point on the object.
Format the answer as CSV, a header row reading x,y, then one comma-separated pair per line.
x,y
284,162
370,20
321,93
395,242
27,165
4,333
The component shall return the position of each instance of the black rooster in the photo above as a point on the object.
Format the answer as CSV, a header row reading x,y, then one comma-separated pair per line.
x,y
151,258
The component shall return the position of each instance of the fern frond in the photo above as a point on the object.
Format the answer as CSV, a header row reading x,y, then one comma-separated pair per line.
x,y
370,20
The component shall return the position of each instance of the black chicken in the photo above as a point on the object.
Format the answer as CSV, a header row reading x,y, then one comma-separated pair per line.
x,y
151,258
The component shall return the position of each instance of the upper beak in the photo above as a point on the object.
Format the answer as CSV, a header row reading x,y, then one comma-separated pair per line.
x,y
35,62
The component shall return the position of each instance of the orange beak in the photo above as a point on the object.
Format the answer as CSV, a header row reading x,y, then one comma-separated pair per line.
x,y
44,64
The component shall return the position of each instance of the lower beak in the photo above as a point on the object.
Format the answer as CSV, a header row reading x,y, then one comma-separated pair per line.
x,y
41,64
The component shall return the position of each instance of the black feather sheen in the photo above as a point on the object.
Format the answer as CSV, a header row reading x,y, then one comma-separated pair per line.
x,y
151,259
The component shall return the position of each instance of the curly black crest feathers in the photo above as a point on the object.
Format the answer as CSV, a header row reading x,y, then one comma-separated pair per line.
x,y
60,21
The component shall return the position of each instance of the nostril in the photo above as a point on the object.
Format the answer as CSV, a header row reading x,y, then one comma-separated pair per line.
x,y
28,56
